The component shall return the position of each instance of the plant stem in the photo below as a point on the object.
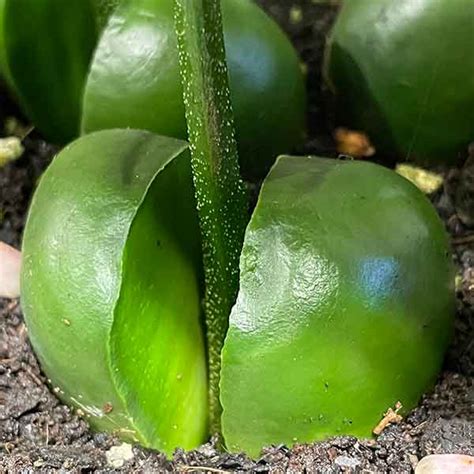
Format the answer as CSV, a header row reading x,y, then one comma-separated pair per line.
x,y
219,190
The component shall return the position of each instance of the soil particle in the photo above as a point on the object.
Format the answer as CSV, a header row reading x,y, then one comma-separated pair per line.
x,y
39,434
308,23
465,191
17,181
448,436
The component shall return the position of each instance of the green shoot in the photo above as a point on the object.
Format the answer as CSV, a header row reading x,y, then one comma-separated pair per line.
x,y
219,190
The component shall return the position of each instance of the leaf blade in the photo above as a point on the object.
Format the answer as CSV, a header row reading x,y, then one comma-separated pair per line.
x,y
48,50
345,305
85,231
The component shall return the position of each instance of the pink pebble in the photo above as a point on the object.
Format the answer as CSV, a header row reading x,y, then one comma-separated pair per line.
x,y
10,264
446,464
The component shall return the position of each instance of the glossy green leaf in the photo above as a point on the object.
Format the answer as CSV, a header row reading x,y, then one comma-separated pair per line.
x,y
49,48
134,79
4,70
403,71
221,197
344,307
111,286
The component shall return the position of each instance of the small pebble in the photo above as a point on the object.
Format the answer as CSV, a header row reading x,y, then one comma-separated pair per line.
x,y
347,462
10,150
446,463
117,456
10,263
296,15
425,180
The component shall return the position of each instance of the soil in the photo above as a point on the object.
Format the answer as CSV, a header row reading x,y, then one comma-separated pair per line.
x,y
39,434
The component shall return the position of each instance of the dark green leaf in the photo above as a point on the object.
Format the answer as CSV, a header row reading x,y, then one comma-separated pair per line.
x,y
4,70
345,305
111,286
49,45
134,79
403,71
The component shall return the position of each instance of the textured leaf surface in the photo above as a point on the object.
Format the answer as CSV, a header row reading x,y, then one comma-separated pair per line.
x,y
220,193
403,72
344,307
111,286
136,65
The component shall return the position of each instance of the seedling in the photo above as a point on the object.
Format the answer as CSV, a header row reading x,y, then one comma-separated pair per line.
x,y
344,298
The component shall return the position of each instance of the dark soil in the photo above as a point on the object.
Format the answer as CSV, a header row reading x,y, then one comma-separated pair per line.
x,y
39,434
